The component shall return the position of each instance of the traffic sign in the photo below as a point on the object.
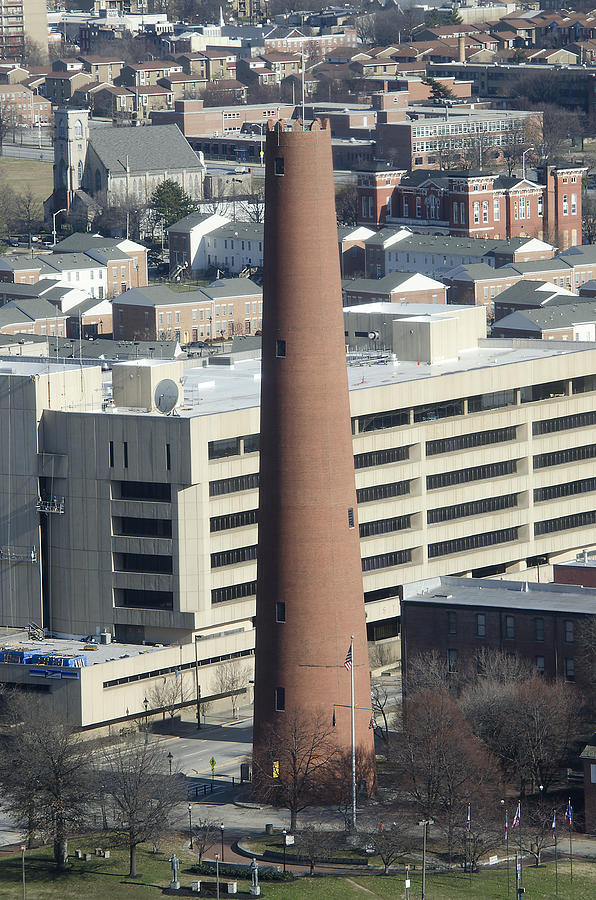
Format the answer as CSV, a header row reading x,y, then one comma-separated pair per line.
x,y
212,763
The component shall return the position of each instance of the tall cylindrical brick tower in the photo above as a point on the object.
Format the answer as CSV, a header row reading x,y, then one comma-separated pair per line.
x,y
309,588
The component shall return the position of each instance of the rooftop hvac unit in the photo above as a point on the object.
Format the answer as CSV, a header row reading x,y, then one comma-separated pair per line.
x,y
105,637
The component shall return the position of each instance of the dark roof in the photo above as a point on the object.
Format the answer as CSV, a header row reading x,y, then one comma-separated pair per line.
x,y
148,148
530,293
190,221
550,317
80,241
103,348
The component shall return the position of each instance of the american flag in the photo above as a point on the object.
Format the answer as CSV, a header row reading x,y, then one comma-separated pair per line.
x,y
469,822
506,826
348,659
569,813
554,825
517,816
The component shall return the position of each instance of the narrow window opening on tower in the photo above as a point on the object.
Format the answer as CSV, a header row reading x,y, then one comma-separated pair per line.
x,y
126,454
168,457
280,612
279,165
350,517
280,699
111,454
280,349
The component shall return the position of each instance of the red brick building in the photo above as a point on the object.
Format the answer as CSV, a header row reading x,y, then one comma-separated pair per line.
x,y
475,204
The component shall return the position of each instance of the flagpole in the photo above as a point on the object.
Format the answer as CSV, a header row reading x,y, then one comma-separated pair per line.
x,y
507,850
570,850
520,845
556,862
353,736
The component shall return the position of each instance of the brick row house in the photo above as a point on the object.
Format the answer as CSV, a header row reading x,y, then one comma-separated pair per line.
x,y
476,204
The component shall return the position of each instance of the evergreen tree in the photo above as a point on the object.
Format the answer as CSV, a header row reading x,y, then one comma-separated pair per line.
x,y
171,202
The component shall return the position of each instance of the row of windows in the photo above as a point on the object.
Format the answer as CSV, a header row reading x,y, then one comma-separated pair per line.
x,y
234,520
465,441
131,526
381,457
384,526
142,490
234,592
386,560
172,670
474,508
230,557
476,473
231,446
132,598
472,542
509,627
563,523
453,664
233,485
382,491
143,562
560,457
567,489
563,423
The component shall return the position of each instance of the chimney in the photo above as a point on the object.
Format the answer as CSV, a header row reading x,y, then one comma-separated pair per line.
x,y
309,582
461,49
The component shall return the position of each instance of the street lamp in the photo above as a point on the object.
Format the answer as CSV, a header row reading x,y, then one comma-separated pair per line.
x,y
57,213
146,705
217,875
425,823
23,867
197,685
527,150
189,827
221,828
170,758
284,833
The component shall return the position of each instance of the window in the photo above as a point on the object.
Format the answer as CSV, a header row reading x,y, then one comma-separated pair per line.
x,y
280,693
476,213
496,209
472,542
131,598
569,631
233,557
351,517
480,625
133,526
234,520
472,508
280,349
380,421
168,458
560,457
485,211
564,423
384,526
149,563
565,205
497,400
532,393
224,448
234,592
452,661
278,165
476,473
382,491
111,454
540,665
466,441
381,457
569,669
438,411
455,213
386,560
125,447
509,628
540,206
451,622
142,490
233,485
538,628
280,612
574,204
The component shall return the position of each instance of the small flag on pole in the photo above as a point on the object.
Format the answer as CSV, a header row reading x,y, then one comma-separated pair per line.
x,y
554,826
506,827
469,822
348,659
569,813
517,816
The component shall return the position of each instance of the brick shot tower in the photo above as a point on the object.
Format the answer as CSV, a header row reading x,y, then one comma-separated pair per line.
x,y
309,586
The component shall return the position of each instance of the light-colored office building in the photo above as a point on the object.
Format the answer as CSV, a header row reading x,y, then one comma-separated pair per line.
x,y
119,519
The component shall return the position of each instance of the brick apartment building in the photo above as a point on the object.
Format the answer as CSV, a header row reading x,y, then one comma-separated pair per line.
x,y
474,203
458,617
228,307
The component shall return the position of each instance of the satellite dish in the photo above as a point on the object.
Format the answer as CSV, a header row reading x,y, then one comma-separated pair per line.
x,y
373,335
166,396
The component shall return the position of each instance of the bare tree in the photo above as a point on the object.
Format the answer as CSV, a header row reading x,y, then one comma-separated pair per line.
x,y
381,707
391,843
346,204
44,772
205,833
429,671
479,840
315,845
142,793
230,678
166,695
538,827
296,764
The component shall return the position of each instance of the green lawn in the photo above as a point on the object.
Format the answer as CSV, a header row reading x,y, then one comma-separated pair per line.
x,y
102,879
20,174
